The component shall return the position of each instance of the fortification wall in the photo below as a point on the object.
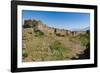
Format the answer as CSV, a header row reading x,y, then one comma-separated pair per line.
x,y
28,23
49,30
61,32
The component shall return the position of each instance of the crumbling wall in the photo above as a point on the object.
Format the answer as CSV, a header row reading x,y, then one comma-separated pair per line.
x,y
38,25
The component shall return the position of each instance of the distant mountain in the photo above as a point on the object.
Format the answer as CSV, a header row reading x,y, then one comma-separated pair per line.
x,y
85,29
82,30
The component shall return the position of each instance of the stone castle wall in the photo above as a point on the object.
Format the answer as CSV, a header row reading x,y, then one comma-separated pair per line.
x,y
61,32
49,30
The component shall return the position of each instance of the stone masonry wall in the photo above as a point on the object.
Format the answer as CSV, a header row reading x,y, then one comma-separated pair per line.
x,y
48,30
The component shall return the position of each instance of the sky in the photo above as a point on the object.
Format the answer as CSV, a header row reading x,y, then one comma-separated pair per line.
x,y
61,20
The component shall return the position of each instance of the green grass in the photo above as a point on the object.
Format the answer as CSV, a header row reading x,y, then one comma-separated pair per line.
x,y
43,47
82,38
57,50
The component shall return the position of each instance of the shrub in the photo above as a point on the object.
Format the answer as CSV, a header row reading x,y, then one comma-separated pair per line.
x,y
39,33
58,34
84,39
24,54
26,26
57,50
58,46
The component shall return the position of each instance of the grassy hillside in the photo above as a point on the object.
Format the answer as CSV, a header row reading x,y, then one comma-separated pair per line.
x,y
41,47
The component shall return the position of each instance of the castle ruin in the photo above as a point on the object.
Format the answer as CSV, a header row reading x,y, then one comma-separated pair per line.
x,y
38,25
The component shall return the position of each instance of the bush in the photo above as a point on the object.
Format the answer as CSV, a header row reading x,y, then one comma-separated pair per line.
x,y
58,47
58,34
39,33
24,54
57,50
27,26
84,39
